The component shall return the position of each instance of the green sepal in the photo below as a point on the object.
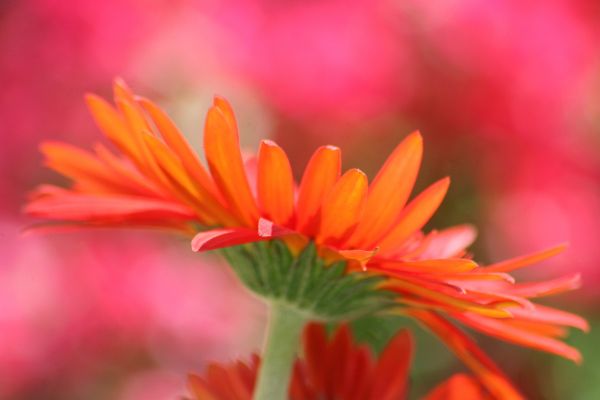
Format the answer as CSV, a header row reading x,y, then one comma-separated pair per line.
x,y
323,292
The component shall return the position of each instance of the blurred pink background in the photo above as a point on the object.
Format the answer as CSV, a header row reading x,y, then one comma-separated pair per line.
x,y
506,94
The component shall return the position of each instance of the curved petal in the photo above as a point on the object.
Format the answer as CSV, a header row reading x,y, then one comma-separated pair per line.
x,y
450,242
523,261
343,207
466,350
275,183
175,140
219,238
458,387
389,191
391,372
321,173
415,215
523,337
222,149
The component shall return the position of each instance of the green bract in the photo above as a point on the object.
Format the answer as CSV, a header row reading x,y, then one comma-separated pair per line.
x,y
322,292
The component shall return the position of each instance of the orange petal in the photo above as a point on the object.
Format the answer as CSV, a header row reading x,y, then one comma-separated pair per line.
x,y
514,334
389,191
551,316
129,175
175,140
415,215
200,389
222,149
546,288
465,349
362,257
447,265
275,183
82,167
207,207
321,173
458,387
444,299
114,208
343,207
113,126
523,261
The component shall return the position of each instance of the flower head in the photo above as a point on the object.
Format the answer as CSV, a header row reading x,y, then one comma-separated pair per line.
x,y
338,368
158,180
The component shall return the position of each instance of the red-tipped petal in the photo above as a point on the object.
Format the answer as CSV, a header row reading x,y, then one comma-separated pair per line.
x,y
275,183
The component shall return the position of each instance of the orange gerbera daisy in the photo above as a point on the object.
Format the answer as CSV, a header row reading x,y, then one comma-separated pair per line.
x,y
340,369
158,180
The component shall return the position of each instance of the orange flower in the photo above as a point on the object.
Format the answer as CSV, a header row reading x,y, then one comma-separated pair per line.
x,y
340,369
157,180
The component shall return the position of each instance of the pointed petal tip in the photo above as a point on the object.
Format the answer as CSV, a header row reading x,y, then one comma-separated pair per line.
x,y
119,84
358,172
416,134
268,143
91,98
221,103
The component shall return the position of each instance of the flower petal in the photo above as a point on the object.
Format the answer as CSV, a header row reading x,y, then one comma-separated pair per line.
x,y
546,288
523,261
210,211
389,191
113,126
321,173
449,242
222,149
458,387
465,349
275,183
315,348
219,238
415,215
114,208
391,372
175,140
514,334
551,316
342,207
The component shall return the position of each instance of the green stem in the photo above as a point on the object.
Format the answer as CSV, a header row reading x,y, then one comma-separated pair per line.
x,y
283,337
